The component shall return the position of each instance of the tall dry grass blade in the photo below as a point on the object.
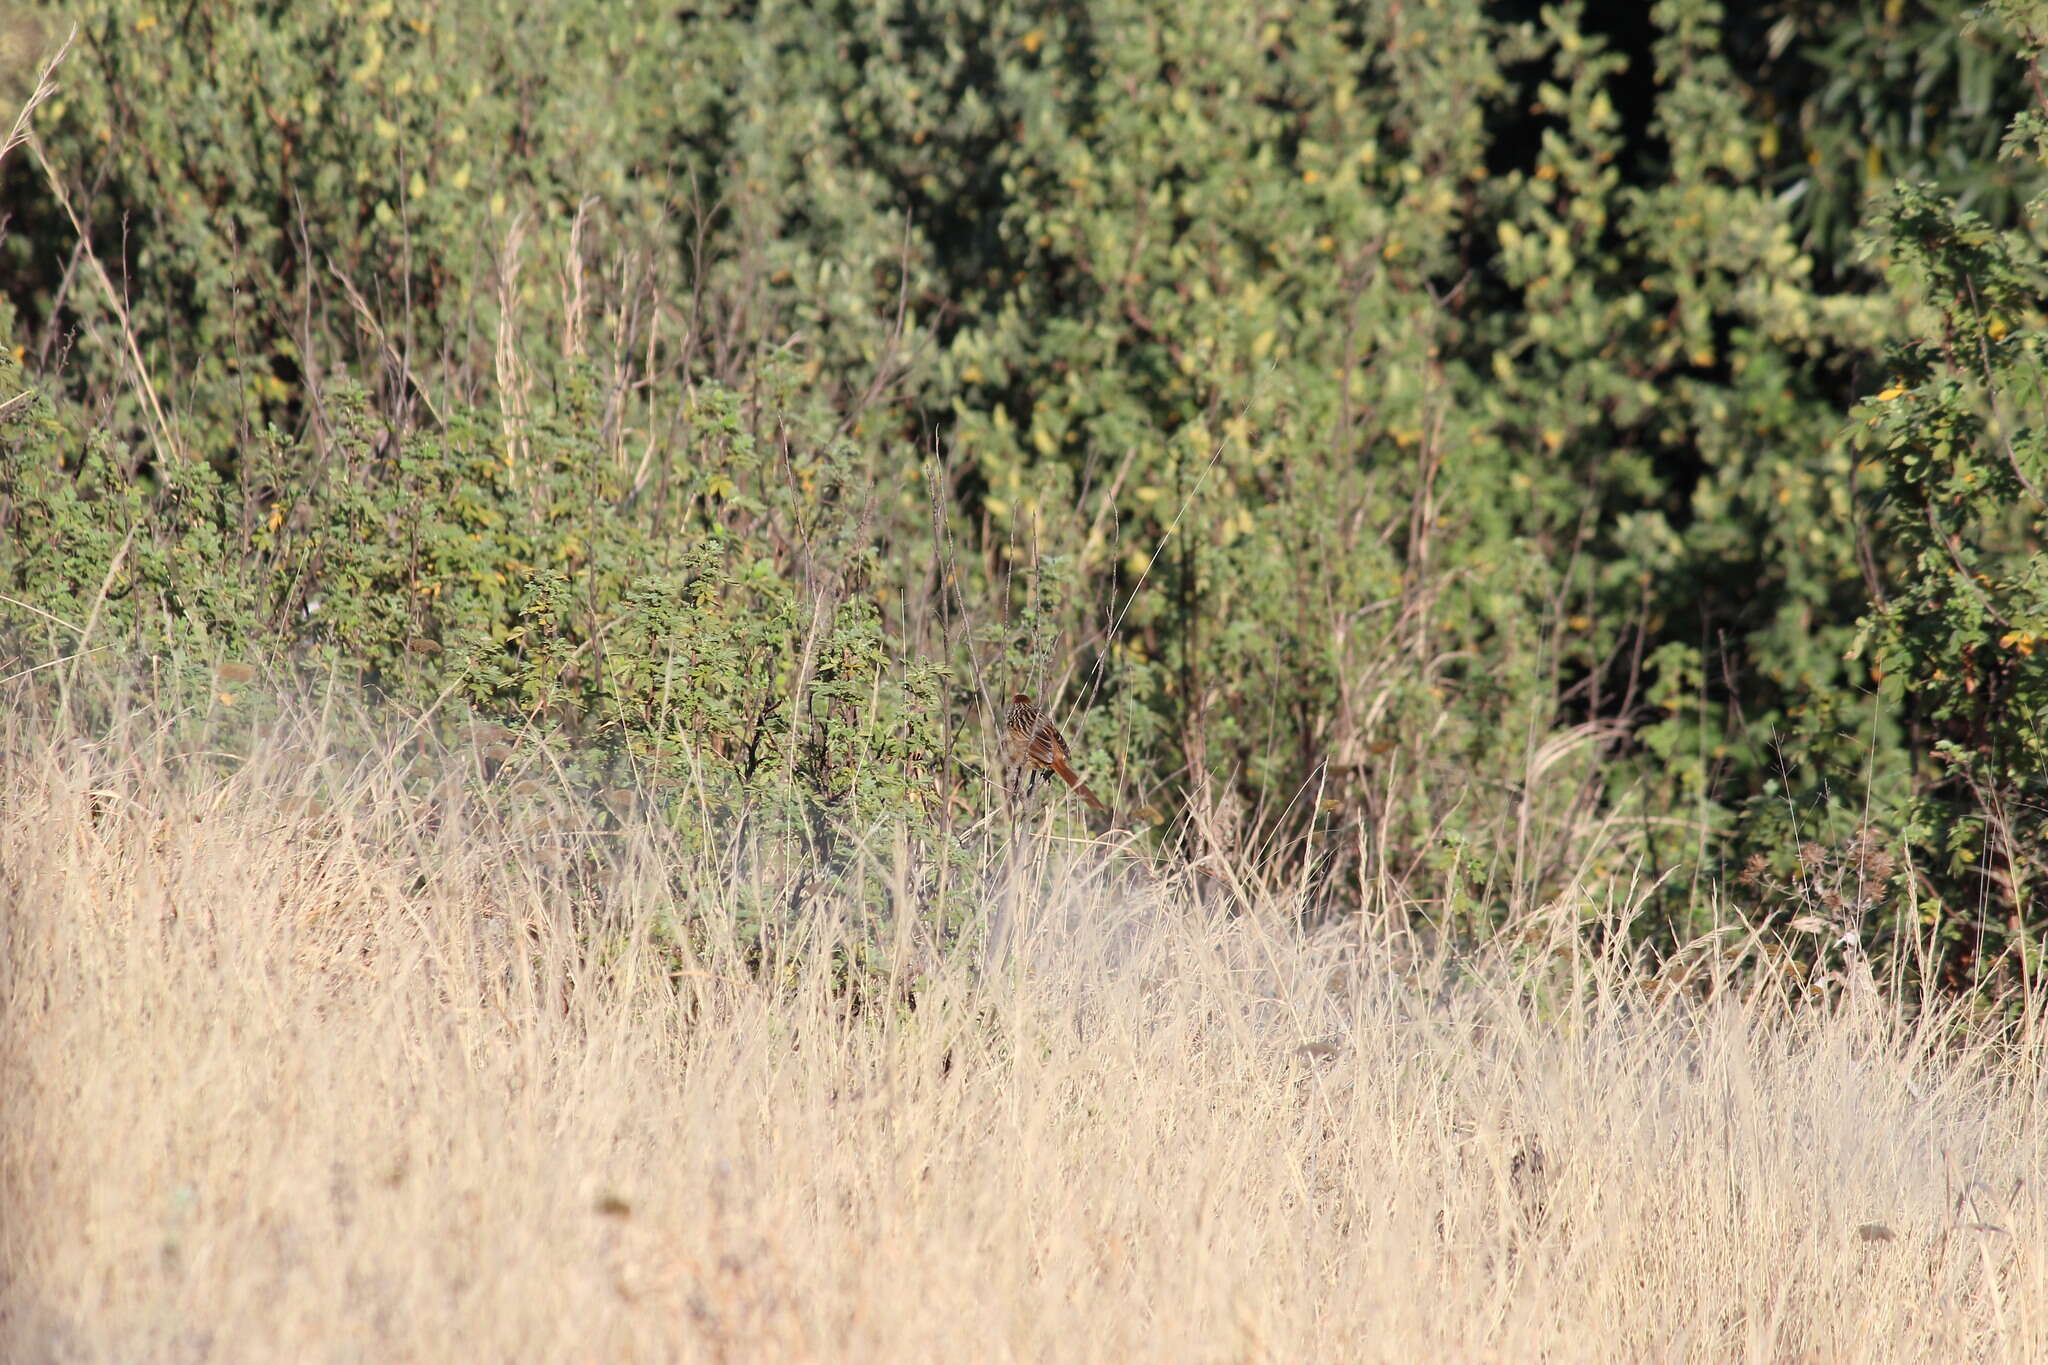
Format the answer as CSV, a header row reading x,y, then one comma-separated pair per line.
x,y
45,87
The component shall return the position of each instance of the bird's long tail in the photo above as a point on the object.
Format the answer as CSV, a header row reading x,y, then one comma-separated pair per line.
x,y
1073,779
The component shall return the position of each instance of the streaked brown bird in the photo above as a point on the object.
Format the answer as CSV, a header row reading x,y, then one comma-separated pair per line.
x,y
1032,744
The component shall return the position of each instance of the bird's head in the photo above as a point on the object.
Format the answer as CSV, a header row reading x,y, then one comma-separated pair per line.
x,y
1020,700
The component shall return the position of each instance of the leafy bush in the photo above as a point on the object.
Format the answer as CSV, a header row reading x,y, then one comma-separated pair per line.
x,y
1953,630
1414,444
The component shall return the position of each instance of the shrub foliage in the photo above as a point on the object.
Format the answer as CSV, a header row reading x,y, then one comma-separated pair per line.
x,y
1480,448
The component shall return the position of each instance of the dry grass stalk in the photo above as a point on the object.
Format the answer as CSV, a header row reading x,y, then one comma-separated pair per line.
x,y
46,86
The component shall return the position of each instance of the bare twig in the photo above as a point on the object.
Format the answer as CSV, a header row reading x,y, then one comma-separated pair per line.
x,y
160,432
368,318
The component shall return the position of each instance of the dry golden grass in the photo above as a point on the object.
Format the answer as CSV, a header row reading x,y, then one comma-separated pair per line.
x,y
299,1067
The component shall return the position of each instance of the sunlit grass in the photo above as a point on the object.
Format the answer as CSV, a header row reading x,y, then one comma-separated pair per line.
x,y
306,1058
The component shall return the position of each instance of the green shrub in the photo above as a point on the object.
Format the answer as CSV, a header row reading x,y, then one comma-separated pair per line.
x,y
1410,442
1951,639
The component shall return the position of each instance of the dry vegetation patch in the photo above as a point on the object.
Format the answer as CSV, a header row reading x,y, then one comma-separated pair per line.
x,y
304,1062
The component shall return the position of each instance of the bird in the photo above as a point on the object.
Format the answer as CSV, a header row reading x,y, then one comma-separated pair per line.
x,y
1032,744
